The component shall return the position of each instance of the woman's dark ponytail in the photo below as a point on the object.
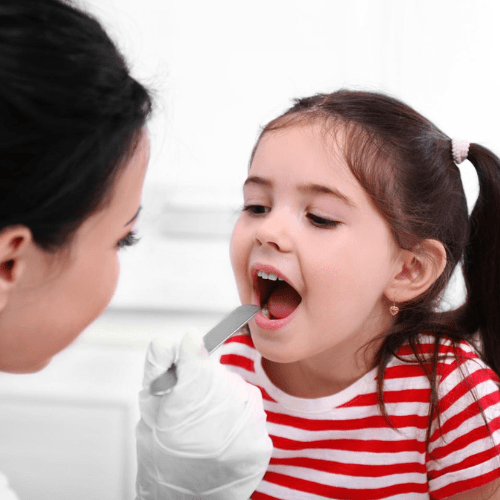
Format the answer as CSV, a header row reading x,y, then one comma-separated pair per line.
x,y
481,267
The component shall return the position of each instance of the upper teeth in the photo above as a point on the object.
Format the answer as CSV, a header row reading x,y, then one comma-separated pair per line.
x,y
269,276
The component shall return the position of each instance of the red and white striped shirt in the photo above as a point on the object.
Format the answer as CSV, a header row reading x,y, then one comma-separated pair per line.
x,y
340,446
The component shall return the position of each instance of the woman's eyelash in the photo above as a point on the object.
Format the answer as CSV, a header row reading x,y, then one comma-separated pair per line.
x,y
322,222
129,240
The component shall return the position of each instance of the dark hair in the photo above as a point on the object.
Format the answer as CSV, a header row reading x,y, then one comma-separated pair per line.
x,y
71,115
405,164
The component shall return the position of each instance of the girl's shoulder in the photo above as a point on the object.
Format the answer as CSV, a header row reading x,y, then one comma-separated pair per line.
x,y
450,360
466,418
443,349
426,344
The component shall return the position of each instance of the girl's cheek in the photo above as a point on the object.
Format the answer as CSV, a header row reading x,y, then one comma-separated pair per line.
x,y
239,255
237,239
234,253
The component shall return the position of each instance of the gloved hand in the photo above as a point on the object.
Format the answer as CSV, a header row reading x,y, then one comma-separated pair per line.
x,y
205,439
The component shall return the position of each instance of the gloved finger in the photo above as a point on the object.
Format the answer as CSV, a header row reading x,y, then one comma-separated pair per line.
x,y
161,354
163,351
191,347
166,350
194,371
191,362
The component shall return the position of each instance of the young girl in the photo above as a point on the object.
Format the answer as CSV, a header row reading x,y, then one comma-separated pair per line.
x,y
354,219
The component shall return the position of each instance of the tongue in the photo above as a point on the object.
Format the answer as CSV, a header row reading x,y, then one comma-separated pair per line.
x,y
283,301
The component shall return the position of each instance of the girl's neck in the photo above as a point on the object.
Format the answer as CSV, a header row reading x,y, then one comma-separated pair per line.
x,y
320,376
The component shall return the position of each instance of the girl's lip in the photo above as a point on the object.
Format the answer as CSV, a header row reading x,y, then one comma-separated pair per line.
x,y
261,320
272,324
269,270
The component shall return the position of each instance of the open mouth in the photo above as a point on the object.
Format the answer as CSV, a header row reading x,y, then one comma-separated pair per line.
x,y
278,299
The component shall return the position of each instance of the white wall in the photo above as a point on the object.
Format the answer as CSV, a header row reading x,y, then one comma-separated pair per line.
x,y
226,67
223,68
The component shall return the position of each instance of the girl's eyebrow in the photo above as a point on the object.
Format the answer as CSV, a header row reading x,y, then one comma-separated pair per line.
x,y
319,189
306,188
260,181
134,217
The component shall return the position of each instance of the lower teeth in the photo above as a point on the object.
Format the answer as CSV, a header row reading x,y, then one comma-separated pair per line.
x,y
265,312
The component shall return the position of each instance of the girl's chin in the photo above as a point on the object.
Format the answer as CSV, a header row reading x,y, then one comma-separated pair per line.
x,y
273,325
273,347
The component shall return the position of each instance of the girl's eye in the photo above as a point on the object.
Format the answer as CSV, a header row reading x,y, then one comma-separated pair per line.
x,y
322,222
129,240
256,209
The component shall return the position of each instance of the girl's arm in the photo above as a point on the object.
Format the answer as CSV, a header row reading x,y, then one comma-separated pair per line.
x,y
490,491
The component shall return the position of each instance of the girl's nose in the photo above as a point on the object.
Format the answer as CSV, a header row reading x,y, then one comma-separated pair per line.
x,y
274,230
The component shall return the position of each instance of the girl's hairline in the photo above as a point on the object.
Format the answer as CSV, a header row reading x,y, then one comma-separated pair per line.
x,y
295,119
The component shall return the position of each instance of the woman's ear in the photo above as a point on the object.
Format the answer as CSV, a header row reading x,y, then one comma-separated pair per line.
x,y
14,241
418,270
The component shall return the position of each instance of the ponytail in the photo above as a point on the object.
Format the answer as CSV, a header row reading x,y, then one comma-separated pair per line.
x,y
481,267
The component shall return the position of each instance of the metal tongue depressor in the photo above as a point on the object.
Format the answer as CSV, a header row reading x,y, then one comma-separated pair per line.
x,y
213,339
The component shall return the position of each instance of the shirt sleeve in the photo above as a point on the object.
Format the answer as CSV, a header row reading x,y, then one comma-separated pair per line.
x,y
464,448
5,492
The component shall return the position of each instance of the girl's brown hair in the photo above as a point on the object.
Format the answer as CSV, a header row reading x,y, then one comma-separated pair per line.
x,y
405,164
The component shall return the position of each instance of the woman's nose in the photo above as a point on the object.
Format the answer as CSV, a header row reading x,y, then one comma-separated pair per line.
x,y
275,230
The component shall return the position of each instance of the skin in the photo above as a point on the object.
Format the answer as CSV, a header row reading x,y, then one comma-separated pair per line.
x,y
47,299
344,272
348,274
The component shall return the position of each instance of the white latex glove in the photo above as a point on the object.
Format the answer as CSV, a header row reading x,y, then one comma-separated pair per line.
x,y
205,439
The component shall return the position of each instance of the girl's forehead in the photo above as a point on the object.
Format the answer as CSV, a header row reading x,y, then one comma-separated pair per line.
x,y
307,151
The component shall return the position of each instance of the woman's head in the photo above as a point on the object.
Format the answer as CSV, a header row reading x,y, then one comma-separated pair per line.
x,y
71,115
74,152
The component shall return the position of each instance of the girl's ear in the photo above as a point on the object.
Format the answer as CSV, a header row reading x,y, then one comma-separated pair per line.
x,y
14,241
418,270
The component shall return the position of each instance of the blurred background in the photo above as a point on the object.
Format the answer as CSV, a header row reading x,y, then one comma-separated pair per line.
x,y
219,71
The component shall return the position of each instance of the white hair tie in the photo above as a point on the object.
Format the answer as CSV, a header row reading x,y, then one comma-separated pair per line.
x,y
459,150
